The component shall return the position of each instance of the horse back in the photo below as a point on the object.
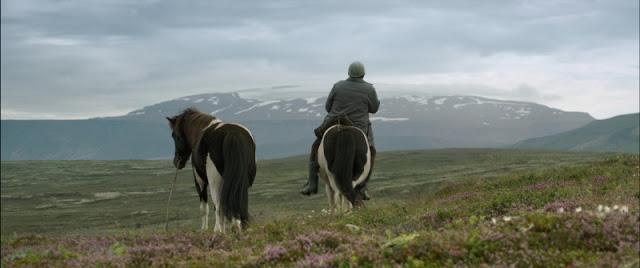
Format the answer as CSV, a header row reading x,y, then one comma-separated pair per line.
x,y
211,145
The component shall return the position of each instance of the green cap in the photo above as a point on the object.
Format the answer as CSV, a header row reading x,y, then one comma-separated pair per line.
x,y
356,69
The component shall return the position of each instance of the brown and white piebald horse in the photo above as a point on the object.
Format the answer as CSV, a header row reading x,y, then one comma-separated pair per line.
x,y
223,160
345,160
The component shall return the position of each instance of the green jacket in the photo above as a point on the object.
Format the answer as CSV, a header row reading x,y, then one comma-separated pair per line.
x,y
354,98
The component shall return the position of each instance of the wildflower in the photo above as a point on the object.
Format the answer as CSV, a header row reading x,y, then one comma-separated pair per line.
x,y
565,205
493,220
561,210
600,208
579,209
273,252
615,207
607,209
316,260
624,209
600,179
506,218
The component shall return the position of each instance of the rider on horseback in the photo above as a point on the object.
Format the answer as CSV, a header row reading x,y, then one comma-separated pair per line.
x,y
353,98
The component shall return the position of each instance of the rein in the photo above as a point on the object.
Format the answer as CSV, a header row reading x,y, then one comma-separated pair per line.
x,y
166,222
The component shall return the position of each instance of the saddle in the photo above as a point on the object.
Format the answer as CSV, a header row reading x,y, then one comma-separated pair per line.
x,y
341,119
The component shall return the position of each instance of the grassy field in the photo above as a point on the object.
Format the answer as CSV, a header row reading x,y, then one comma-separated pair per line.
x,y
429,208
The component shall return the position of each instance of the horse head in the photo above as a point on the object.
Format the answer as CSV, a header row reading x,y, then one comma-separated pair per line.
x,y
360,196
182,148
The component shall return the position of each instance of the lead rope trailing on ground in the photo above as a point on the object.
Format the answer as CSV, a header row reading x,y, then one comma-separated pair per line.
x,y
166,221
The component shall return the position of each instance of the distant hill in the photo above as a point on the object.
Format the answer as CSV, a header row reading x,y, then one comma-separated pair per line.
x,y
283,127
616,134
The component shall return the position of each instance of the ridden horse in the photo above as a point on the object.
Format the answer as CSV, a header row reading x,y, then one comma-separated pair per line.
x,y
345,160
223,159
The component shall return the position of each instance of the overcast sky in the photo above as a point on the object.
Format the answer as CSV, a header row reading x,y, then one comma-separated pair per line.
x,y
80,59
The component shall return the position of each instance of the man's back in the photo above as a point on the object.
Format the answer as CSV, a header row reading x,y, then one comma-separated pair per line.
x,y
354,98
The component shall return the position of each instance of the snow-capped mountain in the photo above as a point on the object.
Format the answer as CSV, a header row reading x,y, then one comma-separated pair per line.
x,y
285,126
231,106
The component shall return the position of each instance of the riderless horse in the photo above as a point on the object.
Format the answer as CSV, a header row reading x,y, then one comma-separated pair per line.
x,y
345,160
223,160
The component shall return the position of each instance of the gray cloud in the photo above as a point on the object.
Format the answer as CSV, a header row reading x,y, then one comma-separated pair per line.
x,y
75,58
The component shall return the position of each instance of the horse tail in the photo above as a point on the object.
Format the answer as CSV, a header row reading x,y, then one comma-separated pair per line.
x,y
234,196
345,153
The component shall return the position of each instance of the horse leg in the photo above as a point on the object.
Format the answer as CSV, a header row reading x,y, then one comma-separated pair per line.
x,y
337,199
204,215
238,224
345,204
201,188
215,185
223,222
201,215
337,196
220,219
329,191
219,225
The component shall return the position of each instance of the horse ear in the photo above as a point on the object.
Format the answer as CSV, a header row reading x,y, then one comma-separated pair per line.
x,y
172,121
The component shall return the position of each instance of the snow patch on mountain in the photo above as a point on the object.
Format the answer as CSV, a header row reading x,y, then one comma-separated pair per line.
x,y
523,111
220,110
311,100
264,103
498,103
246,110
440,101
417,99
388,119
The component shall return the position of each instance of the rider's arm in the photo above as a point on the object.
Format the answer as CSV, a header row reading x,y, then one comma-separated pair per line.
x,y
330,99
374,103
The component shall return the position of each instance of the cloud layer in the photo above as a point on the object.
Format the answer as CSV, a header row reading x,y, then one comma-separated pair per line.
x,y
78,59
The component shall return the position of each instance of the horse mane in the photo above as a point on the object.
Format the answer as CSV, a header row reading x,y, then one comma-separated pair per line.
x,y
191,122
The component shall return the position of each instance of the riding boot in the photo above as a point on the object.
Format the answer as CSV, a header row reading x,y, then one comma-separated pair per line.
x,y
312,184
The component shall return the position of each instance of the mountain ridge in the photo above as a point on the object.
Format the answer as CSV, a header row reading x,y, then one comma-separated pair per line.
x,y
619,133
284,127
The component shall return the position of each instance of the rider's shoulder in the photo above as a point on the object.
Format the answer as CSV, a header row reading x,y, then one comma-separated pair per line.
x,y
352,82
341,82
